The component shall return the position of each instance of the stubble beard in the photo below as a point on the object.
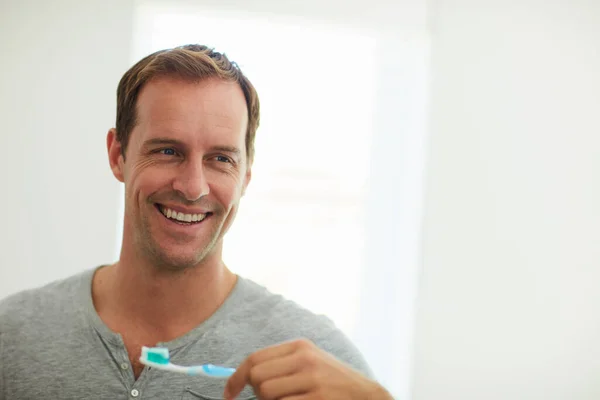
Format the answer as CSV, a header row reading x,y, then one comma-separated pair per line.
x,y
163,260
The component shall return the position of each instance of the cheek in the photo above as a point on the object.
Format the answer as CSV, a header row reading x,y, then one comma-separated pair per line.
x,y
146,180
226,191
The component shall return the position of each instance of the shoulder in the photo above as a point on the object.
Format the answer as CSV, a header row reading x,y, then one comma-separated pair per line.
x,y
275,319
265,310
34,306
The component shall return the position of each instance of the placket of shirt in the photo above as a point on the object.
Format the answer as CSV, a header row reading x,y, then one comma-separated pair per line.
x,y
135,388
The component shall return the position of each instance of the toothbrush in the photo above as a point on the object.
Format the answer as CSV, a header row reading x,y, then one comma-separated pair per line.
x,y
158,357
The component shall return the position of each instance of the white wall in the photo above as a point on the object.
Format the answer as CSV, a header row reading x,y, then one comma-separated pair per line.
x,y
61,62
397,15
509,306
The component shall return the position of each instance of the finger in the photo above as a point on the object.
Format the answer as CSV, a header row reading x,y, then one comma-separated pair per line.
x,y
290,385
241,377
274,368
271,352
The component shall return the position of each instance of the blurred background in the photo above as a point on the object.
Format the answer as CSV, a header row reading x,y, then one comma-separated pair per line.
x,y
427,172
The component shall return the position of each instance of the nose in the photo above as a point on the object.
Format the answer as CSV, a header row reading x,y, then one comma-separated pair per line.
x,y
191,180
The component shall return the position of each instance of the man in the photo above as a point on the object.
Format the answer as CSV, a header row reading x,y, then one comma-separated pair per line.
x,y
183,147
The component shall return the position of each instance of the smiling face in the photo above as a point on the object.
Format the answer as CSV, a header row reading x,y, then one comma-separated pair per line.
x,y
185,170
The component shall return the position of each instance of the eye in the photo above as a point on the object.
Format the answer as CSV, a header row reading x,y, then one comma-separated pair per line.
x,y
223,159
168,151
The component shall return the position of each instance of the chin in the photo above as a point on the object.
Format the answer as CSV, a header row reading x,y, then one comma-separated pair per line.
x,y
175,264
175,261
168,254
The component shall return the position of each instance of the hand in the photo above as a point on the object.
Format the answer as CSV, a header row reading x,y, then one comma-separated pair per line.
x,y
299,370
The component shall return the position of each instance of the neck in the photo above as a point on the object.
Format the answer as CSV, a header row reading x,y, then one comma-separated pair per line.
x,y
165,304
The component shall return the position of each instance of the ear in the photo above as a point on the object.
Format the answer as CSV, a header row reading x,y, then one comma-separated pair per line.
x,y
115,157
247,178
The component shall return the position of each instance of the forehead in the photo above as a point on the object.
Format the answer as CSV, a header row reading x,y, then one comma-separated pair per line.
x,y
210,106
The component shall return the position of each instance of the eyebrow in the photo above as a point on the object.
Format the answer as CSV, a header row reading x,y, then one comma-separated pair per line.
x,y
162,141
227,149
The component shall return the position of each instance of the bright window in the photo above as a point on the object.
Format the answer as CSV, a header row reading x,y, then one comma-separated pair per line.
x,y
332,216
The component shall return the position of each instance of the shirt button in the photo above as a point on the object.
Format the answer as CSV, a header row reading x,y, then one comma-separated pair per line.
x,y
135,393
124,366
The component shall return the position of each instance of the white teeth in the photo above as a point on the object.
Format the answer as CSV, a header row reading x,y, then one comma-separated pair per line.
x,y
179,216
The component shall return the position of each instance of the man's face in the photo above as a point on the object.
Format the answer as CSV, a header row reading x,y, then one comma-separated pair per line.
x,y
184,170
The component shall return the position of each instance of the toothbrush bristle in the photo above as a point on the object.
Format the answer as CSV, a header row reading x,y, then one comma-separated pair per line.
x,y
159,355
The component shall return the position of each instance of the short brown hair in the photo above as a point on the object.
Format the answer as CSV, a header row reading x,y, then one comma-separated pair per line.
x,y
191,62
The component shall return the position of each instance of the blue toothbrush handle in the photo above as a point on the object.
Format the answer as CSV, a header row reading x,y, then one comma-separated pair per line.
x,y
214,371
